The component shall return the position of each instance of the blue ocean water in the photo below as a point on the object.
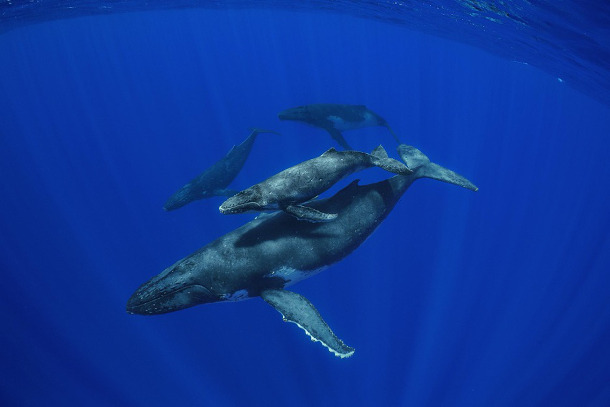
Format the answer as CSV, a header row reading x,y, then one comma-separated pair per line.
x,y
494,298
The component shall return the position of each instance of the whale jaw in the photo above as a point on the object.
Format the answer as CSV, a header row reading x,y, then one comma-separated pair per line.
x,y
174,289
174,301
300,113
243,201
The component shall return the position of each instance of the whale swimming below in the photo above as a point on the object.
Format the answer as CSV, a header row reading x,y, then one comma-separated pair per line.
x,y
214,180
288,189
270,253
336,118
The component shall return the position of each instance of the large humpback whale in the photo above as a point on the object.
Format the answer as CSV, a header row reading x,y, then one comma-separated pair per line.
x,y
288,189
335,118
270,253
214,180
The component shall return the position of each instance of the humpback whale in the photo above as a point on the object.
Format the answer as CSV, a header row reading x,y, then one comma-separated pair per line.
x,y
335,118
286,190
214,180
270,253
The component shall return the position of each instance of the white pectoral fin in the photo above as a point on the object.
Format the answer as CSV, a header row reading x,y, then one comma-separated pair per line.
x,y
297,309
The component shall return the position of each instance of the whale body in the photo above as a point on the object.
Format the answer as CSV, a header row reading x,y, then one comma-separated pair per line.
x,y
336,118
214,180
288,189
270,253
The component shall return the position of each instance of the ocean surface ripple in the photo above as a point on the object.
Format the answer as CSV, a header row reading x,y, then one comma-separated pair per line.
x,y
569,40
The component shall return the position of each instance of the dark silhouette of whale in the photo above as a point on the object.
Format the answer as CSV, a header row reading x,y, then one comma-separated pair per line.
x,y
288,189
335,118
214,180
272,252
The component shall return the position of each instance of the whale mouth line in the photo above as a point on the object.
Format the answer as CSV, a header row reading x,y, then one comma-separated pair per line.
x,y
131,306
246,206
225,210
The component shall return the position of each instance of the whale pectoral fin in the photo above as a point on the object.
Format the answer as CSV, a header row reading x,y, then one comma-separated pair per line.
x,y
309,214
297,309
336,134
392,133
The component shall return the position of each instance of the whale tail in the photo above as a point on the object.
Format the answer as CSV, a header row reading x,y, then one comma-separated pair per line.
x,y
424,168
381,159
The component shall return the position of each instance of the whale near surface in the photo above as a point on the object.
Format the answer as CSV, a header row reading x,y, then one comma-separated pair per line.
x,y
270,253
336,118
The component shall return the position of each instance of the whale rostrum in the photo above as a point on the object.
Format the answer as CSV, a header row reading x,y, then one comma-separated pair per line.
x,y
272,252
289,189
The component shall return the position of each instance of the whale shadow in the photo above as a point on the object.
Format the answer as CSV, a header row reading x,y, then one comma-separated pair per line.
x,y
281,225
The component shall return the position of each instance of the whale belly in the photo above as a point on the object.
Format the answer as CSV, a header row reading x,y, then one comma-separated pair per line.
x,y
342,124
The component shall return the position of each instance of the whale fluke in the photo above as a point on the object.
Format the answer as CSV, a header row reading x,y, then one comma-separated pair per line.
x,y
382,160
297,309
424,168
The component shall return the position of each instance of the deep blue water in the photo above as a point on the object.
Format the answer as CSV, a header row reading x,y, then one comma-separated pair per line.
x,y
494,298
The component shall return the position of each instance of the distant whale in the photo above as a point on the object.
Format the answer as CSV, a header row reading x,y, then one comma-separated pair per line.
x,y
270,253
214,180
335,118
298,184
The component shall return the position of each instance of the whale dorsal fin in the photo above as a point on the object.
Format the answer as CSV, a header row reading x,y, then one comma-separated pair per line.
x,y
302,212
350,188
297,309
331,150
379,152
426,169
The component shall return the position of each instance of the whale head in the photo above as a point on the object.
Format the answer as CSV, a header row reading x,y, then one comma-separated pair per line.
x,y
182,197
176,288
300,113
244,201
